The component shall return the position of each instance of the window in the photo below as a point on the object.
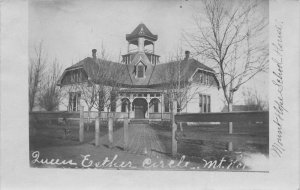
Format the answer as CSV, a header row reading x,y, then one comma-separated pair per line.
x,y
208,103
178,107
204,103
201,77
74,101
125,105
155,105
207,79
113,104
101,100
167,104
140,71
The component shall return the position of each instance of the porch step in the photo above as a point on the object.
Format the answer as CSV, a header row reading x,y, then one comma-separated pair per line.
x,y
139,121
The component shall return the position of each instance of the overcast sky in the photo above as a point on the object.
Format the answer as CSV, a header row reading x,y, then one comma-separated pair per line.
x,y
71,29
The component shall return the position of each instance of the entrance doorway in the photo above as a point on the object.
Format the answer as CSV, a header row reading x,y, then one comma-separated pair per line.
x,y
140,108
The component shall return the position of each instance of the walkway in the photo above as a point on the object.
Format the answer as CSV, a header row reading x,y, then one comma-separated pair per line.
x,y
143,140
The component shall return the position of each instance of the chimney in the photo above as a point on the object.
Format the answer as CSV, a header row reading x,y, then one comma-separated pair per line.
x,y
94,51
187,55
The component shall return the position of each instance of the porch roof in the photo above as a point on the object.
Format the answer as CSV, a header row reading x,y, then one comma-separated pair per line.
x,y
140,90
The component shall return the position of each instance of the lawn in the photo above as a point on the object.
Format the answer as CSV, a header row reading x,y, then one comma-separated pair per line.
x,y
50,141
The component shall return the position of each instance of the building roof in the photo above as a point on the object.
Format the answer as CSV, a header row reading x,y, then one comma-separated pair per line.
x,y
141,31
103,71
168,72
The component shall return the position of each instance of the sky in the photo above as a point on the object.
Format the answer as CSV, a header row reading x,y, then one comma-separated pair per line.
x,y
71,29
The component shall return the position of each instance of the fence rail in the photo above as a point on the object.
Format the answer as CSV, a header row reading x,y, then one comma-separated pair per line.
x,y
81,116
224,117
258,135
54,115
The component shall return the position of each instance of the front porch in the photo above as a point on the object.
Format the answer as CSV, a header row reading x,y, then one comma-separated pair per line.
x,y
142,103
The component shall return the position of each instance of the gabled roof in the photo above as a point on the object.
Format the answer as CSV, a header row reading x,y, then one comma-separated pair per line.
x,y
102,71
141,31
169,72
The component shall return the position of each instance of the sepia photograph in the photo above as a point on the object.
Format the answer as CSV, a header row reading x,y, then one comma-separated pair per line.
x,y
158,85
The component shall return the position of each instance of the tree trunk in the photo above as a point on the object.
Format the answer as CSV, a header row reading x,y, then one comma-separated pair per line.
x,y
89,118
230,127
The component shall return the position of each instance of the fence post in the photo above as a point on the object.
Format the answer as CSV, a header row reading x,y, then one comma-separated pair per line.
x,y
110,131
230,130
126,134
174,129
81,125
97,131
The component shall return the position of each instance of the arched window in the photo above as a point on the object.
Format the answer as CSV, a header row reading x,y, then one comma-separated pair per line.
x,y
140,71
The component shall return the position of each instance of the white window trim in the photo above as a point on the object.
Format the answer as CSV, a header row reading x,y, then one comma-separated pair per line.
x,y
202,108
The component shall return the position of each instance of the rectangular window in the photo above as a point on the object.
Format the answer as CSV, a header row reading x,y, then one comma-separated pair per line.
x,y
201,77
113,102
167,104
208,104
207,79
140,73
123,108
178,107
167,107
200,103
204,103
74,101
101,101
156,107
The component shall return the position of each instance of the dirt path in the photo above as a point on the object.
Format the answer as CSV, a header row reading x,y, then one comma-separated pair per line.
x,y
142,141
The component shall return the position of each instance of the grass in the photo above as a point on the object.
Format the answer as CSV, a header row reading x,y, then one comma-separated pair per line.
x,y
51,142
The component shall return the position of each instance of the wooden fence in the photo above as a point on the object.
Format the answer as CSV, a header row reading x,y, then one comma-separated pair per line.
x,y
230,137
65,115
82,116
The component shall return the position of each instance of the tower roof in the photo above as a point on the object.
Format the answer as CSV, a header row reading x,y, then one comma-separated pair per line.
x,y
141,31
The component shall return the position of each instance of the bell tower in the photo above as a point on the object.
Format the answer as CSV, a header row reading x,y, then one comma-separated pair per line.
x,y
140,38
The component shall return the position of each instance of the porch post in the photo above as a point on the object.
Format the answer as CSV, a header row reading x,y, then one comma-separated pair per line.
x,y
148,102
162,103
118,105
131,106
148,114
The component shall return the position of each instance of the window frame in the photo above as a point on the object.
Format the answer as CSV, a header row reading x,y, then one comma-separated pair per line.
x,y
205,103
140,70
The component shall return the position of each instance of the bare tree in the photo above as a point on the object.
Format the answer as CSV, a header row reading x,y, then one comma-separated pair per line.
x,y
178,86
232,39
101,89
50,95
35,74
253,99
